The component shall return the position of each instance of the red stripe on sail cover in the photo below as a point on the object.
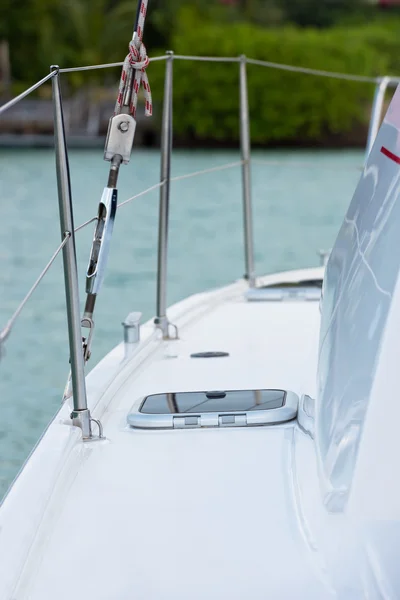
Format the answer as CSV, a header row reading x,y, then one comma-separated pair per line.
x,y
390,155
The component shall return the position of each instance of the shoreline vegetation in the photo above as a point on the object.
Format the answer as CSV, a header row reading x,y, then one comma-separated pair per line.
x,y
286,109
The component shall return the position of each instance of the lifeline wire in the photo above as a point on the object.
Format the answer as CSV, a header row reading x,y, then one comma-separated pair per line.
x,y
5,332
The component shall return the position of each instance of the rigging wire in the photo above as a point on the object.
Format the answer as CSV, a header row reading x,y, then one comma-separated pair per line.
x,y
5,332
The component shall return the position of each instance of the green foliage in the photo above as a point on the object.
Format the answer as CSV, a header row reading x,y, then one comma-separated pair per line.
x,y
321,13
382,35
283,106
75,32
64,32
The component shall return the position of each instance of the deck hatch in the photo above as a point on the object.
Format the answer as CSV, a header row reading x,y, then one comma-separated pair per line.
x,y
292,290
213,401
200,409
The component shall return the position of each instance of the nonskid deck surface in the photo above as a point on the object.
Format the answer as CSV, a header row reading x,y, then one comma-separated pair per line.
x,y
181,513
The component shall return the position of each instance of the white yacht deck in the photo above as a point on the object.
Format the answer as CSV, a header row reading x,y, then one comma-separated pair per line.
x,y
195,513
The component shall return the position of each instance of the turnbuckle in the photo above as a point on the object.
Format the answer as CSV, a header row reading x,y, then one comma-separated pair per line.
x,y
120,135
98,256
101,240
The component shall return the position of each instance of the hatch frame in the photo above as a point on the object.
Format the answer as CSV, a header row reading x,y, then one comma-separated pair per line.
x,y
238,418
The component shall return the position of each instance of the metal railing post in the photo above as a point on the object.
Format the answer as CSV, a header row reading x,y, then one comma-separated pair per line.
x,y
376,113
80,415
246,174
165,178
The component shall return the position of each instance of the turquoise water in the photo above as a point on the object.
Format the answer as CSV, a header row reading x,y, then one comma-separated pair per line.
x,y
299,201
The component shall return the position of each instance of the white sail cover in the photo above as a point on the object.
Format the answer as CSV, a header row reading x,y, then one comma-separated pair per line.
x,y
358,403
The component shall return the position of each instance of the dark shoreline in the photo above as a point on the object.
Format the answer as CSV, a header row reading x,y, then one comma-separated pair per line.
x,y
88,142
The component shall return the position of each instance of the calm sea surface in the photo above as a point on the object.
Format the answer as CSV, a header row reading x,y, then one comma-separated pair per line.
x,y
299,200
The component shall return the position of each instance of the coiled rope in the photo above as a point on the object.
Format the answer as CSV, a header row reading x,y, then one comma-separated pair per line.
x,y
134,69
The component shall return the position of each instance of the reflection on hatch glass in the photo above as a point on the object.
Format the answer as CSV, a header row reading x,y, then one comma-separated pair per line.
x,y
213,401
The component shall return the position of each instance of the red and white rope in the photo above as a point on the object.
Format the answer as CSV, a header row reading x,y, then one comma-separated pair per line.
x,y
136,60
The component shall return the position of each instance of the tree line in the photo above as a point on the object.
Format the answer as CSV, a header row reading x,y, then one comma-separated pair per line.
x,y
342,36
36,33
